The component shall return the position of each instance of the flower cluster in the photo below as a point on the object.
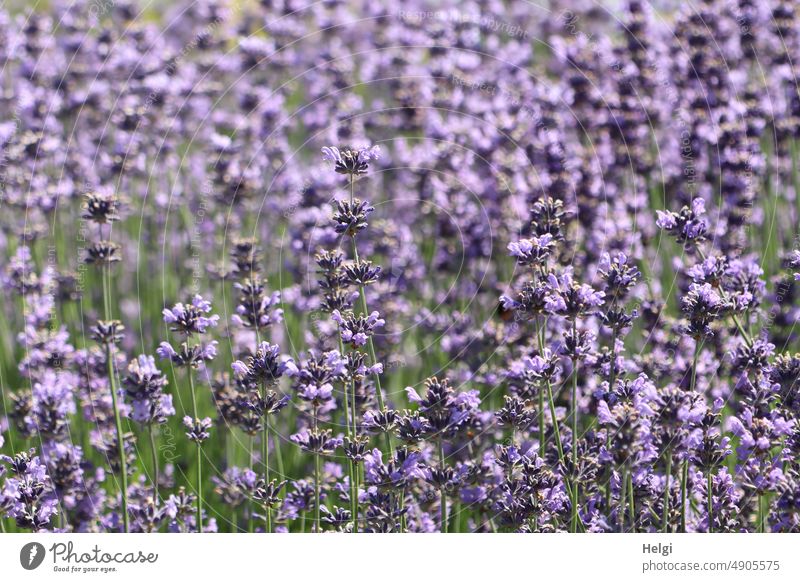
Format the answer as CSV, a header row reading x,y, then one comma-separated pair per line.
x,y
581,263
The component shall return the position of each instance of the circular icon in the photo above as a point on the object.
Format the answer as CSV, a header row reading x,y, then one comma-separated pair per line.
x,y
31,555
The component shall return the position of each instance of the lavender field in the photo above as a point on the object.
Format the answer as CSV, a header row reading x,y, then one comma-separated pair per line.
x,y
369,266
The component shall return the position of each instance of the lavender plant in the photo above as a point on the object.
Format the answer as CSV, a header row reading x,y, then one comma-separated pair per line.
x,y
190,320
560,296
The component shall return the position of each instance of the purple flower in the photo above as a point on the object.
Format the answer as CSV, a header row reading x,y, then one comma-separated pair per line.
x,y
571,299
532,251
351,161
198,430
144,385
52,403
318,442
441,410
687,226
256,309
702,305
154,410
356,329
316,375
530,302
26,492
235,486
266,366
350,216
794,263
191,318
620,276
188,355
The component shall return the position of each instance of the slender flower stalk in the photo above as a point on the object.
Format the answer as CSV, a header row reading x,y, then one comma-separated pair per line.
x,y
120,438
710,501
354,475
442,490
190,320
575,413
365,310
144,391
251,458
154,454
265,453
101,209
199,457
685,468
257,378
684,482
742,331
317,500
632,503
540,409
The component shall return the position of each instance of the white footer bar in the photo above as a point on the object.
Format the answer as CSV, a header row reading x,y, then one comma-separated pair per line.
x,y
406,558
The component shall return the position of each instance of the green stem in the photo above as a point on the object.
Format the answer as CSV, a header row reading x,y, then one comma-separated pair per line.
x,y
684,480
576,492
697,347
347,407
742,332
372,354
370,343
623,495
377,377
123,463
403,525
351,431
317,521
610,472
354,471
199,484
346,393
353,466
442,491
685,469
632,502
574,408
354,405
154,452
613,371
352,187
554,420
251,451
559,446
354,495
542,433
265,445
542,438
278,453
199,489
710,499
